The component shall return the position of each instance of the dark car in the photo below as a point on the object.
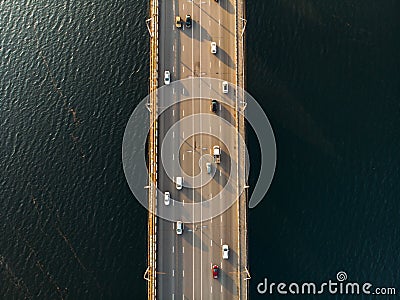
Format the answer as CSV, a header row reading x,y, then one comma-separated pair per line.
x,y
215,271
214,105
188,21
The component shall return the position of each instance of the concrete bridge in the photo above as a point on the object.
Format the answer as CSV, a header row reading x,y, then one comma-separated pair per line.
x,y
180,266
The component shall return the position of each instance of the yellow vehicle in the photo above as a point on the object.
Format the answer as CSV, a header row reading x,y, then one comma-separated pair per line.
x,y
178,22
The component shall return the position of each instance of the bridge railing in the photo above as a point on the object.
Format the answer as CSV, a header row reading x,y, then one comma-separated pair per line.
x,y
243,274
150,274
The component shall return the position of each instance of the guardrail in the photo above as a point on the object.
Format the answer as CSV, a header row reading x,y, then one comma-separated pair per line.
x,y
243,274
150,274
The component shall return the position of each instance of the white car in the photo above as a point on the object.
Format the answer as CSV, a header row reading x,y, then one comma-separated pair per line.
x,y
213,47
225,252
179,183
166,198
179,227
167,77
225,87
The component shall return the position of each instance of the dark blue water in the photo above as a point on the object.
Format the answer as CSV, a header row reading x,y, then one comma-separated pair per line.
x,y
326,73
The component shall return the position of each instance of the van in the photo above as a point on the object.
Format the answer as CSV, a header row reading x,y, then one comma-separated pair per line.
x,y
179,183
225,251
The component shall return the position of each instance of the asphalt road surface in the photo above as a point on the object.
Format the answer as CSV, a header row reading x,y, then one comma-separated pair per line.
x,y
184,261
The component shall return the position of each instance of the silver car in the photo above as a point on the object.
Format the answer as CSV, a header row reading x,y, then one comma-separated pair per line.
x,y
166,198
179,183
179,227
225,87
208,165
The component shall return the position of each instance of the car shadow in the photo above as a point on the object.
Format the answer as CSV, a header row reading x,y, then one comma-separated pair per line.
x,y
226,280
225,58
227,6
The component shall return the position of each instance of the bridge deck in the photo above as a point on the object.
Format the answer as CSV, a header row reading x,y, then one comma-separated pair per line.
x,y
180,265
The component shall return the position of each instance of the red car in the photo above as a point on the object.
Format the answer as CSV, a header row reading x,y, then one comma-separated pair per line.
x,y
215,271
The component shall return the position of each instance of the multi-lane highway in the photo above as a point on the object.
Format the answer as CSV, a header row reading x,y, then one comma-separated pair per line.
x,y
184,262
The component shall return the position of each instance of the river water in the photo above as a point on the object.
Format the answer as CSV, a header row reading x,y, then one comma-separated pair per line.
x,y
326,73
